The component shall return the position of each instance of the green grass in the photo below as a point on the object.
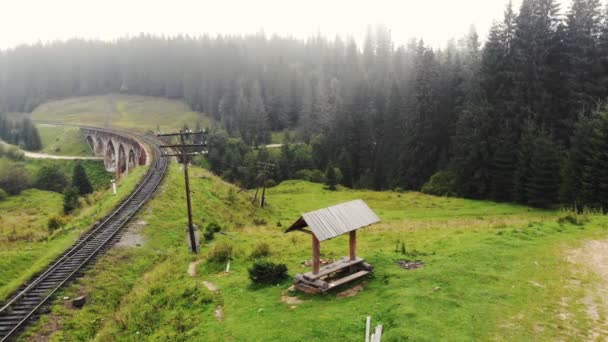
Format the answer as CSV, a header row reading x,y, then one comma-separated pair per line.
x,y
63,141
492,272
278,137
26,245
138,113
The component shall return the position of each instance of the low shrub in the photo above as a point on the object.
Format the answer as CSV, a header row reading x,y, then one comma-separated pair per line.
x,y
3,195
261,250
56,222
210,231
265,272
443,183
220,253
573,217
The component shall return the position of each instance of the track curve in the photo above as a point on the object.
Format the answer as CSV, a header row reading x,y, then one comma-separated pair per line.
x,y
26,303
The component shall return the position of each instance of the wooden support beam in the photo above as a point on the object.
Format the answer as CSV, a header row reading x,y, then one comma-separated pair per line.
x,y
353,245
316,258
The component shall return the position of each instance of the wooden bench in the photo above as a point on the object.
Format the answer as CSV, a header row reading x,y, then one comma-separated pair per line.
x,y
334,267
347,279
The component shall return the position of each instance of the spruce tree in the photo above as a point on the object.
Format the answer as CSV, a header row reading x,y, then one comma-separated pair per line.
x,y
346,168
50,178
542,188
503,167
523,170
70,200
330,177
80,180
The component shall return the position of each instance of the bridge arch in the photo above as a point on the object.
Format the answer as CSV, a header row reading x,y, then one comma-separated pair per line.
x,y
122,159
110,157
91,143
99,147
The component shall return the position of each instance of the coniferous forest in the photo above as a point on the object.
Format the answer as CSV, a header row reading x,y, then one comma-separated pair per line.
x,y
518,117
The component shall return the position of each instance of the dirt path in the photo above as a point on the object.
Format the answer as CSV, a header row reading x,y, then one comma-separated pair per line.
x,y
35,155
593,257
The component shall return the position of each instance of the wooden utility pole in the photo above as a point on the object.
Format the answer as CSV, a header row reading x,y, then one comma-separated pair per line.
x,y
266,169
185,152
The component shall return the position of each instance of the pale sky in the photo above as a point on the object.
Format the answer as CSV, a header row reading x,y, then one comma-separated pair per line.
x,y
436,21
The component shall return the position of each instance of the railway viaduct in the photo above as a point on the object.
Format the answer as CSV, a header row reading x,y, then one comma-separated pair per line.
x,y
120,153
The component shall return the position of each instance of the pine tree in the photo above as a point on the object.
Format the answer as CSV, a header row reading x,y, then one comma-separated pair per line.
x,y
542,188
50,178
80,180
330,177
523,170
472,152
503,167
345,165
70,200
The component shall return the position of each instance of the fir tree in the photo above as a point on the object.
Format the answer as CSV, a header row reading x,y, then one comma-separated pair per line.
x,y
345,166
523,170
542,188
330,177
503,167
70,200
80,180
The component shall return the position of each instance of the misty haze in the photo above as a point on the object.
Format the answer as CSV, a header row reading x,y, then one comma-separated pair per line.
x,y
304,171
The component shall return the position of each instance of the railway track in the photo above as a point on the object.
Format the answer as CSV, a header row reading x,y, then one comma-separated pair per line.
x,y
27,303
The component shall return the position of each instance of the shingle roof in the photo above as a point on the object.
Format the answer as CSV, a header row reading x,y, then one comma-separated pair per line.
x,y
336,220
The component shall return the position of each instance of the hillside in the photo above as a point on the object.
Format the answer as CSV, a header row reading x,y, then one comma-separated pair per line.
x,y
26,244
139,113
491,271
63,141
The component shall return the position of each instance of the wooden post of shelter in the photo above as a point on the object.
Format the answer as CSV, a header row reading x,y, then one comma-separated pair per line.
x,y
316,254
352,242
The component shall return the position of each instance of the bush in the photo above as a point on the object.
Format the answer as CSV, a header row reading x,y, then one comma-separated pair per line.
x,y
210,231
317,176
3,195
303,175
265,272
271,183
56,222
443,183
14,153
261,250
51,179
220,253
14,179
231,197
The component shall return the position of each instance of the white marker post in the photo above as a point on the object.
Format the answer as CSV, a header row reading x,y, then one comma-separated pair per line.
x,y
113,186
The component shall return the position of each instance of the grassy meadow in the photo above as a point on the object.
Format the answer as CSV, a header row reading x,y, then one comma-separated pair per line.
x,y
63,141
491,272
137,113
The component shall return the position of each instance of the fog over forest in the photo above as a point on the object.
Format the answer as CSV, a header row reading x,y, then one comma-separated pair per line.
x,y
518,117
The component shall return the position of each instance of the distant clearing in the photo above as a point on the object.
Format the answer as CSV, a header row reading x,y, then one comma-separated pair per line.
x,y
140,113
63,141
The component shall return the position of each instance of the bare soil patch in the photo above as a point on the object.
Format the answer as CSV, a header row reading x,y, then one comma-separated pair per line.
x,y
409,264
353,291
593,257
192,267
133,235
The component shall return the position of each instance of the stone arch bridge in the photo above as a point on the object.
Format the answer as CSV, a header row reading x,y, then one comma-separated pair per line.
x,y
120,153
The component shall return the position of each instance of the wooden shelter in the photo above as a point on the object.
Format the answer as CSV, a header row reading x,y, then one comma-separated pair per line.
x,y
326,224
